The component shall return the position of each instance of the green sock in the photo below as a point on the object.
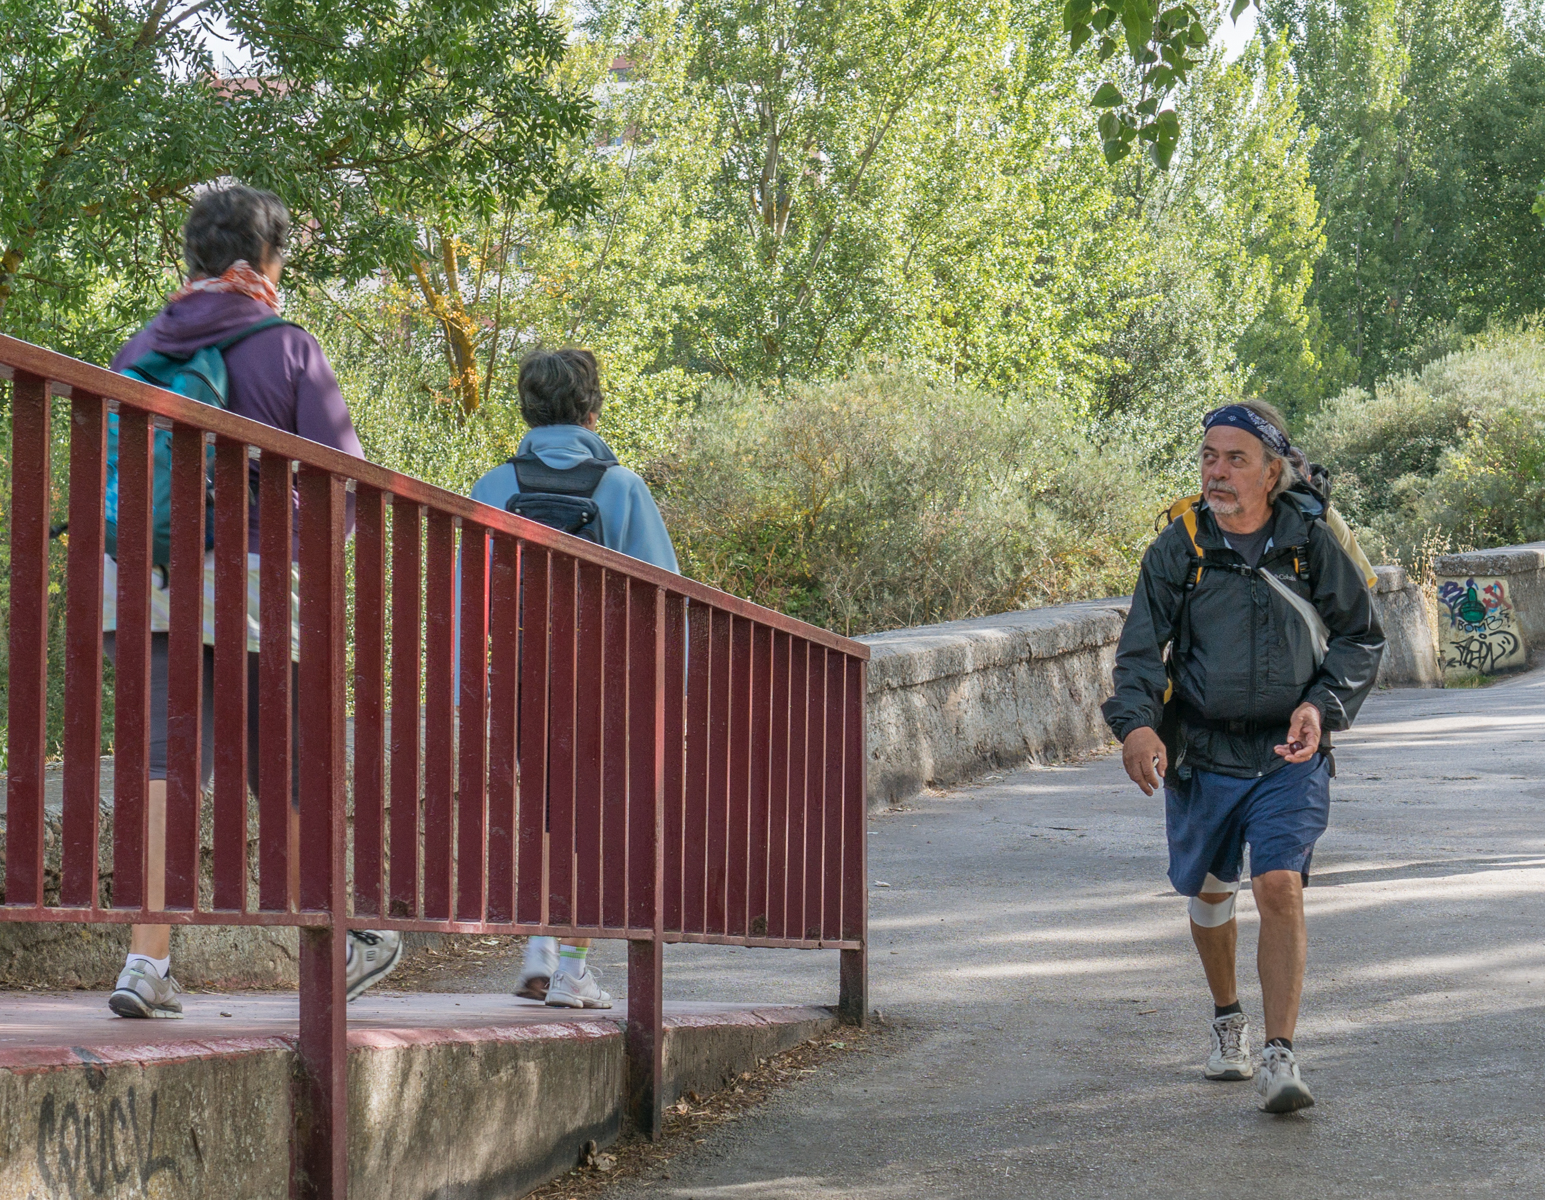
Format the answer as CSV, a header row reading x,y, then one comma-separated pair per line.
x,y
571,960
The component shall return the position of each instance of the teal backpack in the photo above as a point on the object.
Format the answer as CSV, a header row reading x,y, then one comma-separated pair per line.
x,y
199,376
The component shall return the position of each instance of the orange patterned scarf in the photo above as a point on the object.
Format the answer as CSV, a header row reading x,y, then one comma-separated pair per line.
x,y
240,278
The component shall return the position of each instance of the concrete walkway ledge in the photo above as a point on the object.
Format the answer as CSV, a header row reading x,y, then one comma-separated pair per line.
x,y
451,1097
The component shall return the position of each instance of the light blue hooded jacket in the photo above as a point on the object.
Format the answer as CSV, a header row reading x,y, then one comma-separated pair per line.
x,y
630,521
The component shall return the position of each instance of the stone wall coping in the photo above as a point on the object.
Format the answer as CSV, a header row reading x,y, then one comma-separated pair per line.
x,y
908,657
1390,579
1500,560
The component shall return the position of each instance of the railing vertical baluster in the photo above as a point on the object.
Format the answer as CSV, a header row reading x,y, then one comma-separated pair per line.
x,y
27,713
185,667
778,790
815,792
407,623
675,671
589,657
694,873
614,759
836,742
278,817
646,733
531,878
230,731
853,996
369,701
561,741
131,668
321,1156
503,724
799,777
738,847
471,793
719,774
761,754
83,651
439,713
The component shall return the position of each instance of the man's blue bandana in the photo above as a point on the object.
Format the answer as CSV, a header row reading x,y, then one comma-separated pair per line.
x,y
1252,423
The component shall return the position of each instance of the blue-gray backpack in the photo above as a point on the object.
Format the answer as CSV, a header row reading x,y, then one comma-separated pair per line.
x,y
559,499
199,376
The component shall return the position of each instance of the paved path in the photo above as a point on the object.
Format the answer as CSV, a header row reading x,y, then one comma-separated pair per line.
x,y
1050,1013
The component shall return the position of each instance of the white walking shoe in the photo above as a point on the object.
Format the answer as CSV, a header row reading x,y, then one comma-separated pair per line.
x,y
567,991
373,955
1230,1057
538,968
1282,1091
141,992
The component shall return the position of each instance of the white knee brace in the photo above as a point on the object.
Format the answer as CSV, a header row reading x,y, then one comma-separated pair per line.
x,y
1210,916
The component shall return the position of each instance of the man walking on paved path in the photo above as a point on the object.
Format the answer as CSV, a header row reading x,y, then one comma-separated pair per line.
x,y
1251,634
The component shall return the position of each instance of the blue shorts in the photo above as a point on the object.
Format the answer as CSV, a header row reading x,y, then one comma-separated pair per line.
x,y
1211,817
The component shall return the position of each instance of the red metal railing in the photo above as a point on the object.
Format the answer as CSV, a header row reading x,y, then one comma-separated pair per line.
x,y
644,757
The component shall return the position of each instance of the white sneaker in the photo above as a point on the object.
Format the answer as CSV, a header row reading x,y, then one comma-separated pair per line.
x,y
566,991
141,992
538,968
1282,1091
1230,1057
373,955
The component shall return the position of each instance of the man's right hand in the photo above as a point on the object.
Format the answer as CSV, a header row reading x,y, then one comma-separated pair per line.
x,y
1144,757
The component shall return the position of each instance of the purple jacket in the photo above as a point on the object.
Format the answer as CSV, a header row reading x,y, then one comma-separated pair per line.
x,y
279,376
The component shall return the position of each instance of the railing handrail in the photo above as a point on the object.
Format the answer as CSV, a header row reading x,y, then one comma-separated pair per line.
x,y
18,355
655,759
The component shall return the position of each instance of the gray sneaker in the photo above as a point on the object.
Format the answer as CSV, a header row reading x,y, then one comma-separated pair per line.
x,y
1230,1057
373,955
538,968
1282,1088
143,993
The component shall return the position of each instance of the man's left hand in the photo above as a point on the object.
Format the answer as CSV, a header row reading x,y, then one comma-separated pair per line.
x,y
1303,734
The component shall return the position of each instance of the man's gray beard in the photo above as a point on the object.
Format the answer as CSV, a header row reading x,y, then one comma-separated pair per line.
x,y
1230,510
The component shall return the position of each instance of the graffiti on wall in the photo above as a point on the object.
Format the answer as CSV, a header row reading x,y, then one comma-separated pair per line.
x,y
1478,626
99,1146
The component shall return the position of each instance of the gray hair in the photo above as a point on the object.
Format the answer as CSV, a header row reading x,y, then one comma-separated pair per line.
x,y
559,387
231,223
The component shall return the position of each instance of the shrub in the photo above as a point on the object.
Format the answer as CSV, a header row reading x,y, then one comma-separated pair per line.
x,y
884,499
1456,450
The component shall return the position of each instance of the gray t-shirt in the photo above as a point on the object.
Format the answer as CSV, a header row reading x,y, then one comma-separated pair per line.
x,y
1250,546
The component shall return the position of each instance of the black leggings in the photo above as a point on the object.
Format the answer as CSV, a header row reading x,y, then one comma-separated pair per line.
x,y
158,688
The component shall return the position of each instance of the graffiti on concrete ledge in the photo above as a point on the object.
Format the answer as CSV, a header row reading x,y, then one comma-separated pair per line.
x,y
1478,626
107,1148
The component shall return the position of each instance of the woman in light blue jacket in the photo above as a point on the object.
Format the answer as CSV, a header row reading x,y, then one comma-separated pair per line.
x,y
560,398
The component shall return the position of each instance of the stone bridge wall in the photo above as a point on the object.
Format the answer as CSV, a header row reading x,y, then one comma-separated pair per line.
x,y
948,703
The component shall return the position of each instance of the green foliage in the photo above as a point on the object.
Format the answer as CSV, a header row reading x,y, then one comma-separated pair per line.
x,y
365,118
1430,117
1163,47
1455,450
885,499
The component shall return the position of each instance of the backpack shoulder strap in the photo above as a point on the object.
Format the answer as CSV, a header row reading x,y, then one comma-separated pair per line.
x,y
1184,511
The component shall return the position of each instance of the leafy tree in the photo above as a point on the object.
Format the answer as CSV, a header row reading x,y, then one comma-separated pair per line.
x,y
1431,136
371,119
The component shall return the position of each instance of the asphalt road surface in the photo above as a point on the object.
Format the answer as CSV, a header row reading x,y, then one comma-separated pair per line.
x,y
1049,1018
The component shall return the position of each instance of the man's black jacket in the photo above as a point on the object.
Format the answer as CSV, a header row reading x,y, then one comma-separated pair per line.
x,y
1243,658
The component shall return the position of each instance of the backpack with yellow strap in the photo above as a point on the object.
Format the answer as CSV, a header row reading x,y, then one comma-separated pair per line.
x,y
1314,505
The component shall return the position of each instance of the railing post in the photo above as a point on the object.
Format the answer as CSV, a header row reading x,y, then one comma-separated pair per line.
x,y
27,726
853,994
320,1157
646,858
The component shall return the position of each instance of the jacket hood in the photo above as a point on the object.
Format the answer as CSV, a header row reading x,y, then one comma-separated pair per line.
x,y
203,319
563,447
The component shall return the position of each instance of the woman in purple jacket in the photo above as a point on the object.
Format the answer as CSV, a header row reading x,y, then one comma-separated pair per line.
x,y
234,244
